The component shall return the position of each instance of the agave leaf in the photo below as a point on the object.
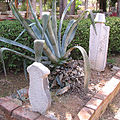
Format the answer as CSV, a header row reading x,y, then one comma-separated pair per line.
x,y
54,18
20,35
50,55
72,31
36,32
21,20
86,64
23,32
58,81
53,39
63,90
48,43
38,47
25,69
26,26
92,19
45,19
65,35
35,29
2,60
35,17
41,29
46,62
61,22
44,58
24,23
16,44
18,53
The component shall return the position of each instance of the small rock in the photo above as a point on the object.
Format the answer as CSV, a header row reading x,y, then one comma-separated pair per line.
x,y
17,101
57,70
74,72
115,68
82,74
51,115
61,77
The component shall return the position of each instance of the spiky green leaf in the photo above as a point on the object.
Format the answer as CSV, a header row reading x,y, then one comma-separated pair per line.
x,y
16,44
54,18
21,20
52,39
92,19
25,69
65,36
45,19
2,60
41,29
61,22
18,53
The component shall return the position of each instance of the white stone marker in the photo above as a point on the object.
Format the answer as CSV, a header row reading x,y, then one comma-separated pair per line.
x,y
98,44
39,94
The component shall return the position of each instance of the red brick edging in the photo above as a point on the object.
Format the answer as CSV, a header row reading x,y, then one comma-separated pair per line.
x,y
98,104
92,110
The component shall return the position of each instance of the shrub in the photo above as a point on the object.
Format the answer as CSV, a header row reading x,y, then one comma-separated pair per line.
x,y
114,38
11,29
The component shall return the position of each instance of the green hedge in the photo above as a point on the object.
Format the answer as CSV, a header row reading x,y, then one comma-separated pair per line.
x,y
11,29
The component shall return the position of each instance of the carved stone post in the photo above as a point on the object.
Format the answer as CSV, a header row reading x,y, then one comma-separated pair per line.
x,y
98,44
39,94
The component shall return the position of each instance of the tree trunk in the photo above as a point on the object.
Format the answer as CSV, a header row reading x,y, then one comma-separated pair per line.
x,y
33,2
86,4
102,5
40,9
118,8
62,5
72,8
34,5
86,7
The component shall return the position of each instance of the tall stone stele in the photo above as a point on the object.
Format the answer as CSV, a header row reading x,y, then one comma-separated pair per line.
x,y
98,44
39,94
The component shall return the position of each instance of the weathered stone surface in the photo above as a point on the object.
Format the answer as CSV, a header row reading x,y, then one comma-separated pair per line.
x,y
98,46
39,94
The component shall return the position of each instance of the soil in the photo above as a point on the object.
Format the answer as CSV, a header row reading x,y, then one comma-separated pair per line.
x,y
68,104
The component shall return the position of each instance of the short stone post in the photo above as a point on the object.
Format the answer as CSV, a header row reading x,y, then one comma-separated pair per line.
x,y
98,44
39,94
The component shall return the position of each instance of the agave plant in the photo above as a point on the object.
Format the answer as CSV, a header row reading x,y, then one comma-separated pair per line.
x,y
55,45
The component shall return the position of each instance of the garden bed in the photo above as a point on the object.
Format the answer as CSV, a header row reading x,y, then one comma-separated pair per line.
x,y
70,103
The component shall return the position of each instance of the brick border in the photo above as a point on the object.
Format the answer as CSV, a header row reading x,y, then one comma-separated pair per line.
x,y
99,102
92,110
14,111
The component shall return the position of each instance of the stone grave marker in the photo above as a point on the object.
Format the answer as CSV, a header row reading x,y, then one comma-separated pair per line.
x,y
39,94
98,44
